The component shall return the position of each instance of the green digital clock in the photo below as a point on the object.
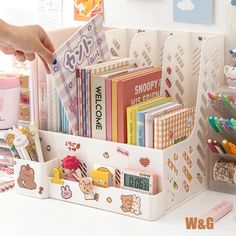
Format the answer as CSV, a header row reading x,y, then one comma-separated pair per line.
x,y
139,181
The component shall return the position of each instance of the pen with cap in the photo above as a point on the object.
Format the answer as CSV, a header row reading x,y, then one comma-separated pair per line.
x,y
21,142
212,146
212,123
226,146
219,147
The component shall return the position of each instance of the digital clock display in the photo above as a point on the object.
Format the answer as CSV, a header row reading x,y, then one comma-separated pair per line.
x,y
137,182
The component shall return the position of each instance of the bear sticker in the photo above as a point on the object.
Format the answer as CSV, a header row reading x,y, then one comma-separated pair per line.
x,y
131,203
26,178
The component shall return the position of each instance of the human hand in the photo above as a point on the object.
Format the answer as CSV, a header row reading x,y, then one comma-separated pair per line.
x,y
26,41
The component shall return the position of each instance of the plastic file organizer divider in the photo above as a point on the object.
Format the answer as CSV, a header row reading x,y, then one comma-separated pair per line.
x,y
182,169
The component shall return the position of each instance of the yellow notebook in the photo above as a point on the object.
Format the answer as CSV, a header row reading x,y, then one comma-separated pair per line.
x,y
132,73
131,115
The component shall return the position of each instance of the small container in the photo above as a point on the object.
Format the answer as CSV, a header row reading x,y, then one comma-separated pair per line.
x,y
9,101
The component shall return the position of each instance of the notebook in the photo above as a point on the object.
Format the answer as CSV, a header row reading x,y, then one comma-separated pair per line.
x,y
87,46
131,115
173,127
150,114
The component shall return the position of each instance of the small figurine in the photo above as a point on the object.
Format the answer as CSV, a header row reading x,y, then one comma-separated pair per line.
x,y
71,166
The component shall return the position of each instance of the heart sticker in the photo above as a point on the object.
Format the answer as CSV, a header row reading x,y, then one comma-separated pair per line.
x,y
144,161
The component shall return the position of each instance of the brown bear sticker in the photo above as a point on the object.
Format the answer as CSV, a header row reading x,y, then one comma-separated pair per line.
x,y
131,203
26,178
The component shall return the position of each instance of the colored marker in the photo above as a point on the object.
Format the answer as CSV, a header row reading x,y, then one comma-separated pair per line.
x,y
224,124
219,147
212,123
211,145
233,122
229,124
218,124
225,144
227,102
232,148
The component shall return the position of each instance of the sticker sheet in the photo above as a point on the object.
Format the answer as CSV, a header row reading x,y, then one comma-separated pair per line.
x,y
86,47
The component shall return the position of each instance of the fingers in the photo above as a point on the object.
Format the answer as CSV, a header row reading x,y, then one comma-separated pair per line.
x,y
45,54
20,56
45,65
30,56
8,51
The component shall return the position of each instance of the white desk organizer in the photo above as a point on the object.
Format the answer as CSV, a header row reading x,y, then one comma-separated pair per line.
x,y
182,169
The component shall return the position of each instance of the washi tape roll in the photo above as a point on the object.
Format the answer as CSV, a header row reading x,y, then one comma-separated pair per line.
x,y
225,171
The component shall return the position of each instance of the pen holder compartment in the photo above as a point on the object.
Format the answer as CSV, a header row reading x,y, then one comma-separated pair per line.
x,y
31,178
122,201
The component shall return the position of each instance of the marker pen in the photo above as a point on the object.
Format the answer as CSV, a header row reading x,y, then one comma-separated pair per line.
x,y
225,144
224,124
212,146
212,123
219,147
21,142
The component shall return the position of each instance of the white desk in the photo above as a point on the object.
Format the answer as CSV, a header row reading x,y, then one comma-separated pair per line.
x,y
25,216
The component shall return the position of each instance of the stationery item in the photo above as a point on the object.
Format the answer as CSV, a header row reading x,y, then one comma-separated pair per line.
x,y
108,85
32,131
219,147
98,76
212,123
219,211
139,181
131,115
225,171
53,121
225,145
9,101
137,87
111,170
6,178
173,128
6,157
102,178
150,114
232,148
87,46
212,146
21,143
118,96
34,146
223,104
6,186
57,173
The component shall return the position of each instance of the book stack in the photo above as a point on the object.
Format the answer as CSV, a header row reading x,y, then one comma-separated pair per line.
x,y
159,123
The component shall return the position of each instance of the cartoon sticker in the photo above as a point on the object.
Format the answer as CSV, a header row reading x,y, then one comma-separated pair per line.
x,y
144,161
86,186
26,178
131,203
66,193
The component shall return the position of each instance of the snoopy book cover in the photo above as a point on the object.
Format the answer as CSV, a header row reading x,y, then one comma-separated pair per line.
x,y
135,90
85,9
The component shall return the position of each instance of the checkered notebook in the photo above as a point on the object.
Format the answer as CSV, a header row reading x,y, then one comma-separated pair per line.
x,y
86,47
173,128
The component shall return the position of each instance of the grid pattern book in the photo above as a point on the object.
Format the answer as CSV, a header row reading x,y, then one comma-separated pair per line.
x,y
172,128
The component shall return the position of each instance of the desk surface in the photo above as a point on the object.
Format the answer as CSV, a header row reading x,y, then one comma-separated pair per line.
x,y
25,216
